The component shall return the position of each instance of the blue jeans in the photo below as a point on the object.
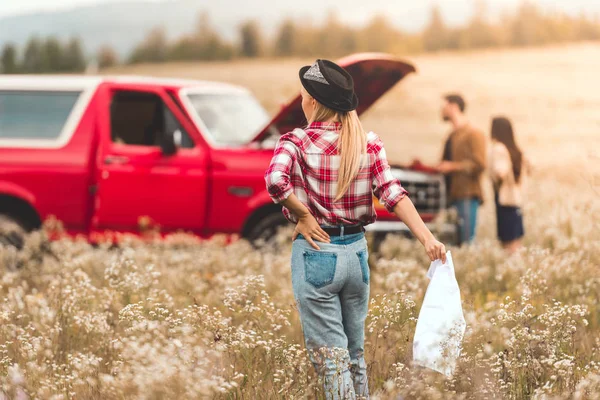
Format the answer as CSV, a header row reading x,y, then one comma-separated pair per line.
x,y
331,288
467,218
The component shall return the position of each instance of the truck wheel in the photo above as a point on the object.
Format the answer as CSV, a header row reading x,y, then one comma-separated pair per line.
x,y
12,233
264,231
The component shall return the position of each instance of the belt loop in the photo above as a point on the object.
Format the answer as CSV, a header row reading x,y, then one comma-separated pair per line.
x,y
342,231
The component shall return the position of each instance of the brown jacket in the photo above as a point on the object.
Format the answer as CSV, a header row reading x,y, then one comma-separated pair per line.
x,y
467,147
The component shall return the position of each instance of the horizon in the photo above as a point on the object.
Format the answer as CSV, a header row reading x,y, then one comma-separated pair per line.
x,y
414,16
125,24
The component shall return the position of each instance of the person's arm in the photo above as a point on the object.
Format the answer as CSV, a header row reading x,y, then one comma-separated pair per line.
x,y
394,197
476,162
277,176
279,186
307,224
447,167
406,211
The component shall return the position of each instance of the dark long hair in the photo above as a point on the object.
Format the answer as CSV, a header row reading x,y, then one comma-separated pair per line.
x,y
502,131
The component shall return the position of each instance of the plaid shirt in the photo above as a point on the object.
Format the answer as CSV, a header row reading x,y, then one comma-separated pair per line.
x,y
306,163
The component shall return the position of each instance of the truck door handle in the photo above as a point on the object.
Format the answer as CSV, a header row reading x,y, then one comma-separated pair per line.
x,y
119,160
240,191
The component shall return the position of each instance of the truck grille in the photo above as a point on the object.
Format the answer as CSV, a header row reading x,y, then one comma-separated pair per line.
x,y
428,197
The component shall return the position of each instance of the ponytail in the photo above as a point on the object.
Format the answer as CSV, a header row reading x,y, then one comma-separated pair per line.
x,y
352,144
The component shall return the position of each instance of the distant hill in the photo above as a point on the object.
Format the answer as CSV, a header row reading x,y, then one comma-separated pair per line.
x,y
120,25
124,24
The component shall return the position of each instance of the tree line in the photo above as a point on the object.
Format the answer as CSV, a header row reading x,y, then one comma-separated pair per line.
x,y
527,26
49,55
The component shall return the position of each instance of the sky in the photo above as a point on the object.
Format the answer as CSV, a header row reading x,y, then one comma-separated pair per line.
x,y
12,7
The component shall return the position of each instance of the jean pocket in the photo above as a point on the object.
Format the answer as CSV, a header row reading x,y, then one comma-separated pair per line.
x,y
319,268
363,258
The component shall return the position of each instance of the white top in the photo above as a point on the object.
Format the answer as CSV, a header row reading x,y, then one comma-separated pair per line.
x,y
510,192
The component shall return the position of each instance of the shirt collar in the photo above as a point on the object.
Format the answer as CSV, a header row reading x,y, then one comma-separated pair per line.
x,y
325,126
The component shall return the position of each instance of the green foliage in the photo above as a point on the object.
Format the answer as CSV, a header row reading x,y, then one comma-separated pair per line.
x,y
74,60
52,56
204,43
527,26
250,39
48,55
152,50
286,41
33,57
8,60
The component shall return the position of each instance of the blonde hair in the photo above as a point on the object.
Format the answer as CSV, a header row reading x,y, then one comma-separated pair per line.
x,y
352,144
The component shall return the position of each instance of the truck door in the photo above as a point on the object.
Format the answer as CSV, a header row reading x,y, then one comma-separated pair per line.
x,y
136,181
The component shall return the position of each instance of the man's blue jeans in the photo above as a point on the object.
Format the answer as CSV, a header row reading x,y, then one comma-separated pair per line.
x,y
467,218
331,287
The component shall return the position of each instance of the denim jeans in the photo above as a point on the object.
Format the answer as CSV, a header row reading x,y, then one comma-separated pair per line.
x,y
467,215
331,288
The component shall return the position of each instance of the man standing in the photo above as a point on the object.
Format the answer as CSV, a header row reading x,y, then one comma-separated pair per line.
x,y
463,163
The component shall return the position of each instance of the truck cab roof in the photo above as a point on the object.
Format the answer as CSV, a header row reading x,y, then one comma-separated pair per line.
x,y
83,82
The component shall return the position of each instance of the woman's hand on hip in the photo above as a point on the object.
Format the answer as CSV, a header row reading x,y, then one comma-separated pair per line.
x,y
310,229
435,250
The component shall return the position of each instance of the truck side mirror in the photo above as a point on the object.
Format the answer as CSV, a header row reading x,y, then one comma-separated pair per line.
x,y
170,142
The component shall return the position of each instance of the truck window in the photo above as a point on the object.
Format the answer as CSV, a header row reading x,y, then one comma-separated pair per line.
x,y
231,119
139,118
35,114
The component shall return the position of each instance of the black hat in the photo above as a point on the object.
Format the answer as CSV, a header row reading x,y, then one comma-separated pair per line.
x,y
330,84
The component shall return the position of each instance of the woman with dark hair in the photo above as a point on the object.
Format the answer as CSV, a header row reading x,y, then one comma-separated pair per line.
x,y
507,169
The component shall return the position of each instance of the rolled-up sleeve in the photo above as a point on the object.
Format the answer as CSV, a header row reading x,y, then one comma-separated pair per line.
x,y
386,188
277,176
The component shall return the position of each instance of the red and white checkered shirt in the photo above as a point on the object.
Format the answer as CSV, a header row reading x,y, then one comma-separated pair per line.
x,y
306,163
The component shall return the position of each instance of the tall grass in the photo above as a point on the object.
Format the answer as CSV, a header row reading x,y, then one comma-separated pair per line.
x,y
188,319
202,319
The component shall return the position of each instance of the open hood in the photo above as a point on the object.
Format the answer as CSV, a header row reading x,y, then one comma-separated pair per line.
x,y
373,73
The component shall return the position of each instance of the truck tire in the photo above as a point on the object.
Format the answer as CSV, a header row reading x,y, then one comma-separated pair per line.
x,y
266,228
12,232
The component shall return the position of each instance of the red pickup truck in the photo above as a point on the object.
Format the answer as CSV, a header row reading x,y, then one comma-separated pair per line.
x,y
99,153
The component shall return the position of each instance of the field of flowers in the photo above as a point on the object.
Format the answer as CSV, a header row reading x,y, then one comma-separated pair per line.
x,y
188,319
